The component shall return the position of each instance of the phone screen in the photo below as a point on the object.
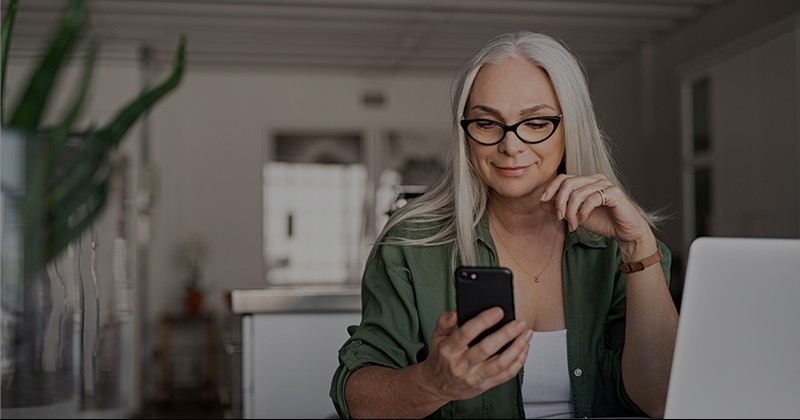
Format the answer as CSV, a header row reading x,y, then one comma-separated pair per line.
x,y
480,288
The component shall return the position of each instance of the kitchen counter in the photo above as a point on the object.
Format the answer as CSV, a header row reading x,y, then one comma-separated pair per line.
x,y
297,299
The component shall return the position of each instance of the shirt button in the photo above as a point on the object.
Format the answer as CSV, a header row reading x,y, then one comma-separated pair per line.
x,y
578,372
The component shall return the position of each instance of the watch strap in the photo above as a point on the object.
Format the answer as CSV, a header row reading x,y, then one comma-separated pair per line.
x,y
634,266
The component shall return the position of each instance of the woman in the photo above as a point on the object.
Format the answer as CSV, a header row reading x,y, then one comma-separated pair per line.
x,y
530,187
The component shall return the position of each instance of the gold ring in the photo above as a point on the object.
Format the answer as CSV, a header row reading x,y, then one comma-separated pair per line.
x,y
602,197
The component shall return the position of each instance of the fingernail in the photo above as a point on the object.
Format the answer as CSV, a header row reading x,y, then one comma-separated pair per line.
x,y
544,196
560,214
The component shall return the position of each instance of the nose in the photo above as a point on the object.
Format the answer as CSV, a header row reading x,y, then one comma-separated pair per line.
x,y
511,144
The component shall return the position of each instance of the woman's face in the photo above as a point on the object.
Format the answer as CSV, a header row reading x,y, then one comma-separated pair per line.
x,y
508,92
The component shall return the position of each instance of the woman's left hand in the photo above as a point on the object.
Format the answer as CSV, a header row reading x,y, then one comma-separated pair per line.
x,y
595,204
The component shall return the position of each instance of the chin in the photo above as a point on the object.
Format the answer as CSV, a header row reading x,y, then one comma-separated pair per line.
x,y
514,191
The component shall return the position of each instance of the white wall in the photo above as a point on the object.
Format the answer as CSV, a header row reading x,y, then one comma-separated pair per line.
x,y
209,149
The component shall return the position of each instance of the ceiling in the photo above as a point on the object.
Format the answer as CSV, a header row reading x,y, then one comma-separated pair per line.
x,y
355,36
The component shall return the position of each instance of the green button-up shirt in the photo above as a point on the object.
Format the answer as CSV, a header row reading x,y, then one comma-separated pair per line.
x,y
405,288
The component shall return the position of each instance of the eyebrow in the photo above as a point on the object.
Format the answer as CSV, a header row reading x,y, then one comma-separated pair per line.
x,y
522,113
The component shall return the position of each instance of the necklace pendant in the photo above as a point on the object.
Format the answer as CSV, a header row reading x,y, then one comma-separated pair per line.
x,y
536,279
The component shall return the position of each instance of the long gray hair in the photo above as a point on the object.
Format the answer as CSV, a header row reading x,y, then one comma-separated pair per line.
x,y
457,201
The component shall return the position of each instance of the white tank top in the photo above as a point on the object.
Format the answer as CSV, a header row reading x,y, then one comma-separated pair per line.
x,y
546,391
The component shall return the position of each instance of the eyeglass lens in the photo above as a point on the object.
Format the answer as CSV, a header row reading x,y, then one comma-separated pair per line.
x,y
532,130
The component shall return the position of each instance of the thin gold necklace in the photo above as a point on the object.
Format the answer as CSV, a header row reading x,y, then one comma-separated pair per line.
x,y
535,276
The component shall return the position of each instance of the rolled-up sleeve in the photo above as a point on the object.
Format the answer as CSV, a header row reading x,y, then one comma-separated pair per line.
x,y
389,333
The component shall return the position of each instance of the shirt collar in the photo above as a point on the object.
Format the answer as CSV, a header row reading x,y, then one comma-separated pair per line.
x,y
585,238
482,230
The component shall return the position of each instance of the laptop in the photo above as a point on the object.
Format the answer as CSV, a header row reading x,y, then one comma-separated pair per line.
x,y
737,352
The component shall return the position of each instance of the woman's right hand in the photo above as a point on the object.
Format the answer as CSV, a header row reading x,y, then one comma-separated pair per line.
x,y
456,371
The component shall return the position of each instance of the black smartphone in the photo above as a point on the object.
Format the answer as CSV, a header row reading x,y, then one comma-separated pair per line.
x,y
480,288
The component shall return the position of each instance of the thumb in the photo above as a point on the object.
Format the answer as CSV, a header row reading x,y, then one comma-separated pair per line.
x,y
446,323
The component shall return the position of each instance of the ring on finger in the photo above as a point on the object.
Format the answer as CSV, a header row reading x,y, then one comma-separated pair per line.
x,y
602,197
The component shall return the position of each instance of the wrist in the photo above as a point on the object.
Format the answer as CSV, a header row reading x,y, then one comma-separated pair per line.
x,y
639,254
431,393
628,267
638,249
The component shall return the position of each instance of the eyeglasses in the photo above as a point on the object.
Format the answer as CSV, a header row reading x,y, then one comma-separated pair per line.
x,y
531,131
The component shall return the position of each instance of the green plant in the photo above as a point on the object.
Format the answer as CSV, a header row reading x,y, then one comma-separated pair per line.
x,y
66,188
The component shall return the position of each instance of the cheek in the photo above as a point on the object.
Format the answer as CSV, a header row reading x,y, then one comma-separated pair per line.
x,y
477,159
475,155
559,153
559,150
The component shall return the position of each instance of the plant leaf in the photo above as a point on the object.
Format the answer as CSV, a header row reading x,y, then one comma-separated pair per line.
x,y
65,127
67,188
28,112
8,26
57,139
116,129
77,170
35,220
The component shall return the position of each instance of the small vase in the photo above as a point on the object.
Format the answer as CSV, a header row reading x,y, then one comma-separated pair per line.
x,y
194,302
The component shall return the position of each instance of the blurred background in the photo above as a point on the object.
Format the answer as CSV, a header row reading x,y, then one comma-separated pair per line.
x,y
263,179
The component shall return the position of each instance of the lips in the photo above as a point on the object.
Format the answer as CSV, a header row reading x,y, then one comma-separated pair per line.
x,y
512,171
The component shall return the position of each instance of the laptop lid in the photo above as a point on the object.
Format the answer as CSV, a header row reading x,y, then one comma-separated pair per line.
x,y
737,352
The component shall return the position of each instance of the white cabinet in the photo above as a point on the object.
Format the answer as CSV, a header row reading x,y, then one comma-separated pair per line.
x,y
289,360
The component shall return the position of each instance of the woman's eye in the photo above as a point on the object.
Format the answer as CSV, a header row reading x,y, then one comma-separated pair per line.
x,y
537,124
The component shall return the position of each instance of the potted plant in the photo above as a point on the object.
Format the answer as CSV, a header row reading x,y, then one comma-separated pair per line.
x,y
66,189
55,184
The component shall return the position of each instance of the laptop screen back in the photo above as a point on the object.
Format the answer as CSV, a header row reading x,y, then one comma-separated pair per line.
x,y
737,352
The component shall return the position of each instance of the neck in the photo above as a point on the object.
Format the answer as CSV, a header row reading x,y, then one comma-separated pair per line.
x,y
520,215
532,236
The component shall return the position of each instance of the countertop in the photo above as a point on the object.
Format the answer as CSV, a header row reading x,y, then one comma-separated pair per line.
x,y
297,299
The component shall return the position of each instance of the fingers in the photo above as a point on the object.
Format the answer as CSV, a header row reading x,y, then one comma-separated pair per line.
x,y
573,198
513,358
463,372
493,343
472,328
601,197
482,321
446,323
499,368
